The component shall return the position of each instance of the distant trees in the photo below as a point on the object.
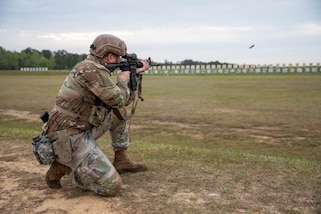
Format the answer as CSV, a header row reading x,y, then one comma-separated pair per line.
x,y
57,60
29,57
191,62
9,60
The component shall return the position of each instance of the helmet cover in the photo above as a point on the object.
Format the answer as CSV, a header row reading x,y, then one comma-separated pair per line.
x,y
106,43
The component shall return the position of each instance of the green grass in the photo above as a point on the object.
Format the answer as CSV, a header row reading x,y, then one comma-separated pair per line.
x,y
213,143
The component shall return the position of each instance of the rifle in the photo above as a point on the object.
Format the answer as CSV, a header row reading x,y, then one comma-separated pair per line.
x,y
131,64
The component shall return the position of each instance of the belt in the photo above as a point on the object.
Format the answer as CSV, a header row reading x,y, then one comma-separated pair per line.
x,y
71,114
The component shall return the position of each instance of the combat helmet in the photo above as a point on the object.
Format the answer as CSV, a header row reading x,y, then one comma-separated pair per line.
x,y
106,43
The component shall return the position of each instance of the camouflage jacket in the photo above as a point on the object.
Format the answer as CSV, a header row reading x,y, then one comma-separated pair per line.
x,y
86,89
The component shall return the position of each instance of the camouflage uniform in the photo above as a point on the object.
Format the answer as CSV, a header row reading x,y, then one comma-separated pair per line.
x,y
88,94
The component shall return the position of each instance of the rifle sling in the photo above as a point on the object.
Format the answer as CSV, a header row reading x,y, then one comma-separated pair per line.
x,y
118,114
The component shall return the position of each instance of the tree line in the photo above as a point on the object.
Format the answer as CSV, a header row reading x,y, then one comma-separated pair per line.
x,y
30,57
57,60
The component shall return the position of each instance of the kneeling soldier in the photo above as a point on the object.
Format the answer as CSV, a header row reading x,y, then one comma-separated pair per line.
x,y
88,104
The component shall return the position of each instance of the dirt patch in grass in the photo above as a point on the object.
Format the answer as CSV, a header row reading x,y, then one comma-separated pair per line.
x,y
16,114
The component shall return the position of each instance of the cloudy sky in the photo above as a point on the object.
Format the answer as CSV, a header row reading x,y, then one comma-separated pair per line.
x,y
283,31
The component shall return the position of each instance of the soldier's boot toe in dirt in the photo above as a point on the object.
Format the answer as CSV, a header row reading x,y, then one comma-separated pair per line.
x,y
55,173
123,164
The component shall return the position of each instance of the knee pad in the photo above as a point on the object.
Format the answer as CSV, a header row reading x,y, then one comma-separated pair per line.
x,y
112,186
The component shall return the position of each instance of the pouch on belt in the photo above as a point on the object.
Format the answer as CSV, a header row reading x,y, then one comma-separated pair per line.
x,y
63,146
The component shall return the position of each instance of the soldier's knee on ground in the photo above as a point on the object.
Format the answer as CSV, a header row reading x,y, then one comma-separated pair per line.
x,y
112,186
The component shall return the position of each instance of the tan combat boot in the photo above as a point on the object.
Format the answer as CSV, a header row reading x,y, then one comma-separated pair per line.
x,y
55,173
123,164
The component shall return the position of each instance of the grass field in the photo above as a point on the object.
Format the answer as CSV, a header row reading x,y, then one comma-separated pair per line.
x,y
213,144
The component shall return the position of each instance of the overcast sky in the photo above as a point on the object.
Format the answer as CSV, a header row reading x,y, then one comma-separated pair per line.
x,y
283,31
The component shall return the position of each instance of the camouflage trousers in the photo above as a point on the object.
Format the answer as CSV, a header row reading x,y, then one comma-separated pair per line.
x,y
91,169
